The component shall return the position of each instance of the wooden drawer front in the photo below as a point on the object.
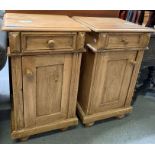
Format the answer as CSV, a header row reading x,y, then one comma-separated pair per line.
x,y
126,40
106,41
36,42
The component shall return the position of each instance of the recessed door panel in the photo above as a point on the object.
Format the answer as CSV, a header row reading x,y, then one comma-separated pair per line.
x,y
116,68
49,79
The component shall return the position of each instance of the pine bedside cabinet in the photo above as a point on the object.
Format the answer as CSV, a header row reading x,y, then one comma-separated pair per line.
x,y
110,67
45,57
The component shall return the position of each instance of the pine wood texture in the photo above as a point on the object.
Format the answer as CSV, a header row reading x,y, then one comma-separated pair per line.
x,y
14,38
17,106
98,24
45,68
117,40
35,22
109,68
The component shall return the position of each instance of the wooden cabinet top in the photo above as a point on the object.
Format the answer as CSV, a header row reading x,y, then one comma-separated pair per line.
x,y
99,24
40,22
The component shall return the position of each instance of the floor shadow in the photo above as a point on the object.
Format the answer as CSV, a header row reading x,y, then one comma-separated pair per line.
x,y
5,103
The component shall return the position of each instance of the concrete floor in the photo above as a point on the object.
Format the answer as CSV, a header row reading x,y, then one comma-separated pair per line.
x,y
138,127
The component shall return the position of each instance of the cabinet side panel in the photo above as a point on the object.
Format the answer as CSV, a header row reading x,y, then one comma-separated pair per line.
x,y
17,109
76,61
87,67
134,78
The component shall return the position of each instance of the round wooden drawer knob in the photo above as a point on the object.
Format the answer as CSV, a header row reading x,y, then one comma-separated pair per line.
x,y
124,41
51,43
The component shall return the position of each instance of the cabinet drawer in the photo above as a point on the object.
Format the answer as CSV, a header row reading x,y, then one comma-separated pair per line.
x,y
118,40
44,42
123,41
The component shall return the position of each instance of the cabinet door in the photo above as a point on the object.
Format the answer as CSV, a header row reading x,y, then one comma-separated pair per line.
x,y
46,81
112,78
